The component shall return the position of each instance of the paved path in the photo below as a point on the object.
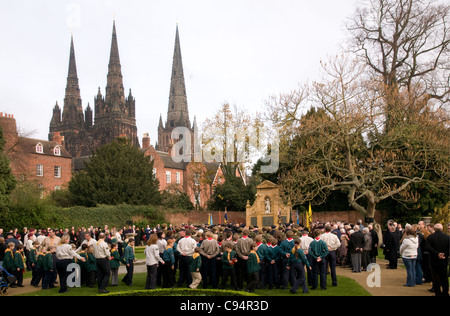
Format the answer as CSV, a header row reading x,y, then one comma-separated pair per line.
x,y
391,281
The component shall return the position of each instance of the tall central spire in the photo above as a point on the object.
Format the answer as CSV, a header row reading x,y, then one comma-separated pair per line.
x,y
73,110
178,113
115,95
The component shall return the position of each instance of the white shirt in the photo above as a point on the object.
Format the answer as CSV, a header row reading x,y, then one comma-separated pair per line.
x,y
101,250
187,246
65,252
91,242
306,241
331,240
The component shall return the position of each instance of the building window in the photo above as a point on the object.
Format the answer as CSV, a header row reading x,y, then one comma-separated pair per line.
x,y
57,151
57,187
39,170
168,177
178,178
39,148
151,157
57,172
154,173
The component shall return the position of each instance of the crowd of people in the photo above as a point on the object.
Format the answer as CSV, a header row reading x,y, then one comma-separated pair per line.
x,y
225,256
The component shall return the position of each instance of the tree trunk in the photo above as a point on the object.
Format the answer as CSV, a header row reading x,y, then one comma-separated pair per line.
x,y
371,210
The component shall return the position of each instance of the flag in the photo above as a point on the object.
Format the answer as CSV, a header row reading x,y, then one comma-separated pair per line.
x,y
220,219
225,217
309,217
279,218
298,218
211,219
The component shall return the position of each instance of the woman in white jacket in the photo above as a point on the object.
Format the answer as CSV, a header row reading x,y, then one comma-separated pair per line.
x,y
152,259
408,251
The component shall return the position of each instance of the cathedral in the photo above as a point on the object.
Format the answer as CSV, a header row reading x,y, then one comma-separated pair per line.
x,y
80,132
114,114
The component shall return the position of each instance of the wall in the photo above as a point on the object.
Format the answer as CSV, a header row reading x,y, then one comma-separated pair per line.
x,y
345,217
197,218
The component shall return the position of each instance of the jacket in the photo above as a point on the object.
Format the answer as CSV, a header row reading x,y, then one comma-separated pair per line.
x,y
409,247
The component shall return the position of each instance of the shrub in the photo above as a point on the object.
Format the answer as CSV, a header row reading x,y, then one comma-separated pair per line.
x,y
180,292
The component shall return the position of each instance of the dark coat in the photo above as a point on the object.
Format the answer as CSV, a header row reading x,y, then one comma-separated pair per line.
x,y
438,243
356,241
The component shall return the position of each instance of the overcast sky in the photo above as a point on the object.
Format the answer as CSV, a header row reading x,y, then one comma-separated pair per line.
x,y
236,51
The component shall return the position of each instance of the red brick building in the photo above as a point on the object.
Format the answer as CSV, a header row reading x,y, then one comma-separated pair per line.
x,y
47,163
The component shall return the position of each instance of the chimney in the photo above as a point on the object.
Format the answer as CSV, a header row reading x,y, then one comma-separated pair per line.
x,y
146,141
58,138
9,126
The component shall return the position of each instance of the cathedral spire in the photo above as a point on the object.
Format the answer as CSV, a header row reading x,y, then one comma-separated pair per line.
x,y
115,96
178,113
72,111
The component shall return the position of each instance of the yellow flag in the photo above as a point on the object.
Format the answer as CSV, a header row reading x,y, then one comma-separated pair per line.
x,y
309,216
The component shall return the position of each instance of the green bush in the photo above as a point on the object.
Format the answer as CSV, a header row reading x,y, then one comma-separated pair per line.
x,y
176,200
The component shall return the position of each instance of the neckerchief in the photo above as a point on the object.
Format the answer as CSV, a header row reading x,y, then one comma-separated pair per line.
x,y
257,257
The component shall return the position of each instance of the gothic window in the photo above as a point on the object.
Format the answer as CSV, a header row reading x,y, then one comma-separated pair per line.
x,y
39,148
172,124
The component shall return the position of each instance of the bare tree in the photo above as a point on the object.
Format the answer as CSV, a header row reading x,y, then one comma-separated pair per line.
x,y
339,148
406,45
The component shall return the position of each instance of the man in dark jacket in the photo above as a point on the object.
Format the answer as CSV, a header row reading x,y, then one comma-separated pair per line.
x,y
391,246
438,245
375,242
355,246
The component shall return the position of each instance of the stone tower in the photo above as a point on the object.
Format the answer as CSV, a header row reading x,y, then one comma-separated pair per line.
x,y
178,112
70,123
115,115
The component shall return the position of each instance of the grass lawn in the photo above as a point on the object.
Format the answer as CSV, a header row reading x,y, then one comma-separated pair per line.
x,y
347,287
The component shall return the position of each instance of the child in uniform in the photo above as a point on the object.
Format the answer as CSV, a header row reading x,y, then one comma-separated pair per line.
x,y
47,283
296,267
91,266
33,254
19,264
8,261
228,261
114,263
253,269
273,257
169,265
129,259
195,266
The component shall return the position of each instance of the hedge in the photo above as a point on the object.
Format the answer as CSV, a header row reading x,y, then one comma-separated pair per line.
x,y
79,216
179,292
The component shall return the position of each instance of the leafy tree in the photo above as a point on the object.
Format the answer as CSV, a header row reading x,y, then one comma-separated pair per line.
x,y
233,195
7,180
117,173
